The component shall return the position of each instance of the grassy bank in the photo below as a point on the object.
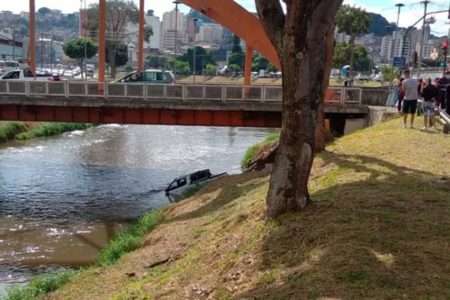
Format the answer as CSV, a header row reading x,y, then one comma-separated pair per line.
x,y
253,150
378,228
25,131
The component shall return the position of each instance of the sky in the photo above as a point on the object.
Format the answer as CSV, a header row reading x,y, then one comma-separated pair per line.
x,y
410,13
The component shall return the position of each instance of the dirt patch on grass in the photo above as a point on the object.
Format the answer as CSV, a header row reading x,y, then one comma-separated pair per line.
x,y
379,227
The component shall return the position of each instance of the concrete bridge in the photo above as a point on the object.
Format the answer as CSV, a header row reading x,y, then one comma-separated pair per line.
x,y
179,104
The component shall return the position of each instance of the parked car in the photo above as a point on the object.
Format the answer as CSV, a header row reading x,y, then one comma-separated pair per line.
x,y
27,74
148,76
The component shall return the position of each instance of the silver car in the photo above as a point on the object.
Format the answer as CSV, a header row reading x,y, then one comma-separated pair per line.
x,y
148,76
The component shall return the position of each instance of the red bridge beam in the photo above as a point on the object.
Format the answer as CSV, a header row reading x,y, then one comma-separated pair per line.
x,y
107,115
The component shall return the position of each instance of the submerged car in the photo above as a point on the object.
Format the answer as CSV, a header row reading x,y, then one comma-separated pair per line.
x,y
149,76
181,184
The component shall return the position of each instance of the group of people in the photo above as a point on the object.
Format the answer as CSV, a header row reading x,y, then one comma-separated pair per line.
x,y
434,93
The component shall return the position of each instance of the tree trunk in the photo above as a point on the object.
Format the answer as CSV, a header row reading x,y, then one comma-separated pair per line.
x,y
352,54
303,52
320,134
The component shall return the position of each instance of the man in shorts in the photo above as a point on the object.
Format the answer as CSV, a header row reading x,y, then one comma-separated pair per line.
x,y
409,86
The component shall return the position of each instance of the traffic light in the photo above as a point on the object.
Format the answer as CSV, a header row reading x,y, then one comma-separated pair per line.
x,y
448,17
444,45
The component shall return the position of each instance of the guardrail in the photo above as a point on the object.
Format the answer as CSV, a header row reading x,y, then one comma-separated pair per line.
x,y
183,92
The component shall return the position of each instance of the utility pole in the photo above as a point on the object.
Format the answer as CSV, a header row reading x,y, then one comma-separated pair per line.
x,y
419,66
42,50
51,54
14,43
193,64
32,36
176,36
85,41
399,5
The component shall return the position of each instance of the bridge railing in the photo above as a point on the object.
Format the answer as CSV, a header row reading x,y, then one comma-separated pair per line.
x,y
182,92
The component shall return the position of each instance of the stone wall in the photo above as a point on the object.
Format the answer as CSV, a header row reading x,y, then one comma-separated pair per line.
x,y
375,96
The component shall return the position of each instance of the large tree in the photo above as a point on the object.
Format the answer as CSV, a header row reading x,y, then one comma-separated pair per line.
x,y
353,21
203,57
79,49
300,37
119,13
342,53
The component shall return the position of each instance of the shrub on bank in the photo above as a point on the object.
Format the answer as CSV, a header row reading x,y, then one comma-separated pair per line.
x,y
9,130
49,129
130,239
41,285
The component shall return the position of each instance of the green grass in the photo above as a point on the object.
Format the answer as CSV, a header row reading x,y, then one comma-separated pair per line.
x,y
41,285
253,150
9,130
130,239
50,129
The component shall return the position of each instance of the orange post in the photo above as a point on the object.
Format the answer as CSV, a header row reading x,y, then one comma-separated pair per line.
x,y
101,40
141,36
32,43
248,65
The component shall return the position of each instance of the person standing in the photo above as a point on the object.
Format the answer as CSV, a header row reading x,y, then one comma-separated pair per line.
x,y
409,86
430,95
444,85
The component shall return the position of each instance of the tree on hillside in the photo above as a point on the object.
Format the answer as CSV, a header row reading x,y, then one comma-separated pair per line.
x,y
203,57
342,54
353,21
148,32
44,11
259,63
303,51
237,58
119,13
116,52
80,48
236,44
389,74
157,62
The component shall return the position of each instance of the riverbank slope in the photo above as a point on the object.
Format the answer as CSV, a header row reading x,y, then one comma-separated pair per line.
x,y
378,228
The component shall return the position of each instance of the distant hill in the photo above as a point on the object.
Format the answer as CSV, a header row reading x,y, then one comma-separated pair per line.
x,y
380,26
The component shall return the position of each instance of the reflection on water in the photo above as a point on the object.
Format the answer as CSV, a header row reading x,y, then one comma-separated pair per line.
x,y
61,199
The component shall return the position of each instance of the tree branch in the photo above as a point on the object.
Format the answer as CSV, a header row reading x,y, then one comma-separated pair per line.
x,y
273,19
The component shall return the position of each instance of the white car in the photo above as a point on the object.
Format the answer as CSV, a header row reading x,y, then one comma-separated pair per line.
x,y
27,74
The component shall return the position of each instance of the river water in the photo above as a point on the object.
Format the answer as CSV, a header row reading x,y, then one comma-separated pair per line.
x,y
63,198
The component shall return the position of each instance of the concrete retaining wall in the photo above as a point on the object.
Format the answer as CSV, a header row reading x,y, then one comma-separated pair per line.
x,y
375,96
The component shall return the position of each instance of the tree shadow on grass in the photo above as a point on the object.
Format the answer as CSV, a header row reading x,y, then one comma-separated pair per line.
x,y
377,230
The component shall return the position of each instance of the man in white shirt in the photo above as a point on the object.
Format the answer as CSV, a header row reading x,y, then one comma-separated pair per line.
x,y
410,87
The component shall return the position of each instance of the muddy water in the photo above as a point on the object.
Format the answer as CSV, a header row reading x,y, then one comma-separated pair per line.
x,y
62,199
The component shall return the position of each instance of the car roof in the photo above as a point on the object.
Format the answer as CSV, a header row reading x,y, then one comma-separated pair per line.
x,y
189,174
154,70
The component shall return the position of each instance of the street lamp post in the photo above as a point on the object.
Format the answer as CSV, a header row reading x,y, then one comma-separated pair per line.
x,y
193,63
176,34
425,3
399,5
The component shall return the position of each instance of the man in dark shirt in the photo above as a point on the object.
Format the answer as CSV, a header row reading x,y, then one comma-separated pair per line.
x,y
430,95
444,85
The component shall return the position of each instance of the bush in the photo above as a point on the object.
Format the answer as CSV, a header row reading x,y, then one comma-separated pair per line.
x,y
41,285
130,239
9,130
49,129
